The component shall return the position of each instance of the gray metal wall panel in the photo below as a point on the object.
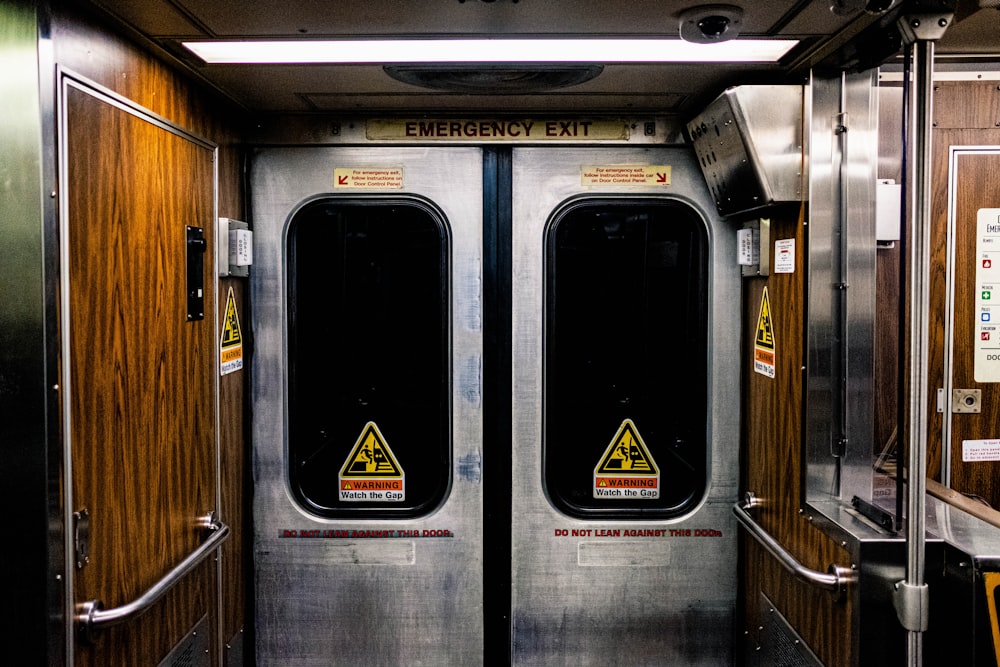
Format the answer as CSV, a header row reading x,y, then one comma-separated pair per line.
x,y
842,247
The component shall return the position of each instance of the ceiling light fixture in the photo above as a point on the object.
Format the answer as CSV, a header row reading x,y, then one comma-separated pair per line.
x,y
406,51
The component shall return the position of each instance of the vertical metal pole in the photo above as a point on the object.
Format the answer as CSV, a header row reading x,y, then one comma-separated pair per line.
x,y
924,59
912,595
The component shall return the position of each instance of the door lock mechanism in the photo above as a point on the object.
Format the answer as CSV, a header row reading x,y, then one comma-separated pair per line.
x,y
966,401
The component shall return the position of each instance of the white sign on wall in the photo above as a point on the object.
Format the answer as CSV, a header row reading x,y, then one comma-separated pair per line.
x,y
987,295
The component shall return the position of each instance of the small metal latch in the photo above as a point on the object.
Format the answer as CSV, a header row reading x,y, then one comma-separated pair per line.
x,y
81,537
966,401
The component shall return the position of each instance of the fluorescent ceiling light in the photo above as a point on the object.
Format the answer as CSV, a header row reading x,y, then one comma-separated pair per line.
x,y
400,51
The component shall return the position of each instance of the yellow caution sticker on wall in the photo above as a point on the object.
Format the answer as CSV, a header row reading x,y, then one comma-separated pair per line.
x,y
627,470
763,345
371,472
231,345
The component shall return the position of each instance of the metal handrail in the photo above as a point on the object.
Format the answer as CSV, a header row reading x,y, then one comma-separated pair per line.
x,y
92,618
836,580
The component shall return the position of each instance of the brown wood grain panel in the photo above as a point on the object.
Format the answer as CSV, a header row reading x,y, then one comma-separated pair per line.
x,y
966,105
976,479
234,457
976,187
98,51
886,351
142,399
774,466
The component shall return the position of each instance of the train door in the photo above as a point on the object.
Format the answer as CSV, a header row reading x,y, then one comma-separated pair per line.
x,y
367,399
138,381
625,410
489,391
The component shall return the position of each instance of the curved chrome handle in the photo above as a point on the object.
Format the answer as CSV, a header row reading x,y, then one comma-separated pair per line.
x,y
836,580
91,617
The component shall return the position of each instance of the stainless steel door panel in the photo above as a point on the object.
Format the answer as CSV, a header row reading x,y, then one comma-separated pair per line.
x,y
335,594
602,597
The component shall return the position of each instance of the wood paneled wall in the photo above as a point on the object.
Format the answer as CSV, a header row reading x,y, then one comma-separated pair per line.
x,y
966,113
774,465
96,50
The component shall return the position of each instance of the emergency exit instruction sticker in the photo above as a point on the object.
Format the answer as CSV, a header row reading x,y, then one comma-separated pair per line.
x,y
980,450
368,178
371,472
626,470
626,174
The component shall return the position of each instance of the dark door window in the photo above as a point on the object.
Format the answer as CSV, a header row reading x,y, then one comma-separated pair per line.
x,y
626,359
368,350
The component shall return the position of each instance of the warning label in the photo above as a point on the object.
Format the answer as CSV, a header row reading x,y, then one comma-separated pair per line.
x,y
627,470
370,472
231,345
763,345
624,174
367,179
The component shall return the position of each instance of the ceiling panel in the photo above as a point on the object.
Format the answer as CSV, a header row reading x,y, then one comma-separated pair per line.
x,y
675,90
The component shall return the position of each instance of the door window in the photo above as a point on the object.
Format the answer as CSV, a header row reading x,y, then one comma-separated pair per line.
x,y
368,348
626,359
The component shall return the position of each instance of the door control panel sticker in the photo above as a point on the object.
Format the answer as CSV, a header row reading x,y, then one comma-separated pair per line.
x,y
371,472
627,471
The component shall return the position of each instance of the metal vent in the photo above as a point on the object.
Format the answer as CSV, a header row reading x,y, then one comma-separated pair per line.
x,y
193,649
780,645
502,79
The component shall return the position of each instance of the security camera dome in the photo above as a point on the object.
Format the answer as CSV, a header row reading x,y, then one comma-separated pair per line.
x,y
708,24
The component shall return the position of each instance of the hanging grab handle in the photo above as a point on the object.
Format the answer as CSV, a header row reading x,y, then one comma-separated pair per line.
x,y
836,580
92,618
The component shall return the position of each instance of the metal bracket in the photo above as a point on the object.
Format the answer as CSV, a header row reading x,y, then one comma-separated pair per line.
x,y
912,605
923,27
81,537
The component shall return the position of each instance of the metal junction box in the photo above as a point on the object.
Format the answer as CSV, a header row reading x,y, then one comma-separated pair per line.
x,y
749,147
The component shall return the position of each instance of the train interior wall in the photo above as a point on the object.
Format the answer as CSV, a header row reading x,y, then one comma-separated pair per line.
x,y
113,71
772,447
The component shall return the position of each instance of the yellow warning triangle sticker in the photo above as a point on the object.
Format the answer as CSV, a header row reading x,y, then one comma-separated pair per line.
x,y
765,328
626,455
371,457
231,334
